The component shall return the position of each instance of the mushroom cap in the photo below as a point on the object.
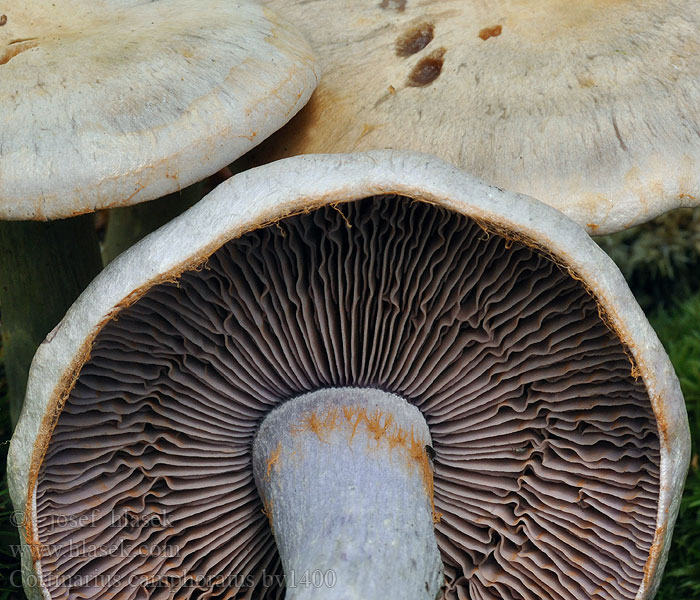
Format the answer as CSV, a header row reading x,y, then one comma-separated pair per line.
x,y
106,104
591,107
613,415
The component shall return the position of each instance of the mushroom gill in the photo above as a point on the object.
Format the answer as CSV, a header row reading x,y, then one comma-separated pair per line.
x,y
546,464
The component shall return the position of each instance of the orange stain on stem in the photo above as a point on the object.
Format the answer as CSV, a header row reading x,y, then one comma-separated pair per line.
x,y
268,505
378,426
273,460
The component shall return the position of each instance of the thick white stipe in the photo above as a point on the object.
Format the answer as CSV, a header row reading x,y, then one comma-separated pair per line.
x,y
347,485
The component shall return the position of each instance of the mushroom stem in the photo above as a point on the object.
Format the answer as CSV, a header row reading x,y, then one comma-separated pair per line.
x,y
128,224
347,486
43,268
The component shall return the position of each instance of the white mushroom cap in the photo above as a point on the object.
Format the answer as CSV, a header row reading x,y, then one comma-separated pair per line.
x,y
591,107
106,104
611,442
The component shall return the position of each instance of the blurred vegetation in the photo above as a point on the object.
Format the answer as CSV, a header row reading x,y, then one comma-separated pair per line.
x,y
679,330
659,259
9,537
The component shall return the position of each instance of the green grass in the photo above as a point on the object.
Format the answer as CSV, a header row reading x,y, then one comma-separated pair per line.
x,y
679,331
660,259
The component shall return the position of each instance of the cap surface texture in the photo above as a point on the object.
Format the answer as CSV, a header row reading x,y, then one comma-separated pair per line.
x,y
106,104
591,107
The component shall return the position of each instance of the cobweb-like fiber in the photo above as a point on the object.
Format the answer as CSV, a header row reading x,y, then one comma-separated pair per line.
x,y
546,467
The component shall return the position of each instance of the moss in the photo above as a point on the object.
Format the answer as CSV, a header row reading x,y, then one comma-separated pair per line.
x,y
660,259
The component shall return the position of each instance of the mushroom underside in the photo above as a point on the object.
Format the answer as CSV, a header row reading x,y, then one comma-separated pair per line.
x,y
546,469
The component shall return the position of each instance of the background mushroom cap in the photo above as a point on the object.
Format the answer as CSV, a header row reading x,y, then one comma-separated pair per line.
x,y
591,107
106,104
264,196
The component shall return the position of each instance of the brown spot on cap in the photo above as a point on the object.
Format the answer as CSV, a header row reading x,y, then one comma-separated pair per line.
x,y
3,20
399,5
585,81
489,32
17,47
415,39
427,70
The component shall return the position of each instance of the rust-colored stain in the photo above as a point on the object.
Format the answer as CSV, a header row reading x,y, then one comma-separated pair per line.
x,y
427,70
593,227
3,20
654,553
378,427
489,32
336,208
273,460
318,425
399,437
267,511
635,371
398,5
17,47
360,415
662,424
415,39
36,548
136,191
